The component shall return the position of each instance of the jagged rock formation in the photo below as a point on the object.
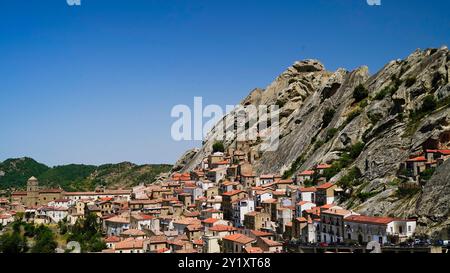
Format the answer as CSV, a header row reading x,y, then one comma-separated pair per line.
x,y
433,206
185,159
320,118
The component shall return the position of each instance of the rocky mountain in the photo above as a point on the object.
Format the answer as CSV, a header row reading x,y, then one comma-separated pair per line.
x,y
365,125
15,172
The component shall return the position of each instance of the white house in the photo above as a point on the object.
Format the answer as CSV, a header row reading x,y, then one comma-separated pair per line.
x,y
240,209
54,214
261,196
143,221
266,179
130,245
217,174
305,176
307,194
116,225
302,206
365,229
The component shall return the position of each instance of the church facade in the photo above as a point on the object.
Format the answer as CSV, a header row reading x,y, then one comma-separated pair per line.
x,y
34,196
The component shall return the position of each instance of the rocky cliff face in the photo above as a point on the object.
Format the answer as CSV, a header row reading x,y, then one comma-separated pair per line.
x,y
320,119
433,206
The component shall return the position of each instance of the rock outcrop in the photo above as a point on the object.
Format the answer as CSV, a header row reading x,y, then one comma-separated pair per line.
x,y
320,119
433,206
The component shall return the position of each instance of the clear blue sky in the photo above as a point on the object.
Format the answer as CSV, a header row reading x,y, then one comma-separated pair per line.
x,y
96,83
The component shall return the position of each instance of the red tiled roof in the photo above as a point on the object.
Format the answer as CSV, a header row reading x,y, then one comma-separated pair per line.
x,y
306,173
210,220
310,189
325,186
129,244
157,239
239,238
222,228
323,166
417,159
444,152
112,239
271,243
250,249
231,193
369,219
198,242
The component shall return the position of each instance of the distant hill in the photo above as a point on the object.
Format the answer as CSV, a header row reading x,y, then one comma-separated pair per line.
x,y
15,172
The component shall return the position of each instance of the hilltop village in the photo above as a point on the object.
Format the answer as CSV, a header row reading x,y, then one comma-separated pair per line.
x,y
220,207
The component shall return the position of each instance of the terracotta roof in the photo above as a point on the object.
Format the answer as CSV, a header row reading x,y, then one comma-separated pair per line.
x,y
231,193
157,239
310,189
251,249
323,166
239,238
194,227
271,243
142,217
198,242
306,173
129,244
270,201
369,219
222,228
112,239
325,186
417,159
133,232
162,250
259,233
444,152
210,220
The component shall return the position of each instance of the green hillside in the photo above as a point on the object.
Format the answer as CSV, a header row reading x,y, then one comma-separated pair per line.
x,y
15,172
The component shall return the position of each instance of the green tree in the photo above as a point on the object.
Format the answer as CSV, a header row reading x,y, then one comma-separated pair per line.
x,y
87,233
13,243
218,147
44,241
360,93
